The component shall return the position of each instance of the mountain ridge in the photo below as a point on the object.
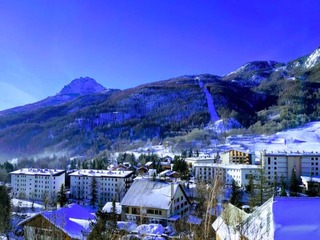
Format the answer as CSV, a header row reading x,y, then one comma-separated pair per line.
x,y
263,96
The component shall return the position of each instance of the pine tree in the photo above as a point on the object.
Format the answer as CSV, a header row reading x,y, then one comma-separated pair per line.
x,y
94,192
311,192
5,211
73,164
251,190
113,215
261,189
181,166
294,184
197,153
62,197
99,227
283,186
235,195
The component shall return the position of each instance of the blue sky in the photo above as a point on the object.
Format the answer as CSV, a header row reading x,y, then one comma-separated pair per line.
x,y
46,44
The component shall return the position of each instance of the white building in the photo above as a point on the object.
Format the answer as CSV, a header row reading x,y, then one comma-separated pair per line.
x,y
110,184
240,173
194,160
226,173
33,183
279,164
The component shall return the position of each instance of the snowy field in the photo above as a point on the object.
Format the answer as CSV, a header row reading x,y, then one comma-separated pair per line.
x,y
306,138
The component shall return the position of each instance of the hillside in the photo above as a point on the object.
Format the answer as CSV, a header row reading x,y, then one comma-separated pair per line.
x,y
85,118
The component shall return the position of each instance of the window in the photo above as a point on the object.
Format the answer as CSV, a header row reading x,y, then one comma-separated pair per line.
x,y
150,211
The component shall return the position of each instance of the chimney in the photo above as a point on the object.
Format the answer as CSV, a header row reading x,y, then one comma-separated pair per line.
x,y
172,198
172,191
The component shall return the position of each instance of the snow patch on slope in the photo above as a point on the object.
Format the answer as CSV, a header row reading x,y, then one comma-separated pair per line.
x,y
213,114
224,125
313,59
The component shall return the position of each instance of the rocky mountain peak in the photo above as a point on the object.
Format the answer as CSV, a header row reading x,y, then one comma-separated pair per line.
x,y
82,86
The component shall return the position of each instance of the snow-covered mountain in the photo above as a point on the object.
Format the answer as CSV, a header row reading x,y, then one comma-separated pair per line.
x,y
84,117
251,74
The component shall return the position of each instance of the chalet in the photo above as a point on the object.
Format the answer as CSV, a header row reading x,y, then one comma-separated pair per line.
x,y
155,202
142,170
149,165
169,174
72,222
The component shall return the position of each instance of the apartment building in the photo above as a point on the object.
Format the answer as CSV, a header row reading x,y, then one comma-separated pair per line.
x,y
237,157
109,184
33,183
280,163
226,173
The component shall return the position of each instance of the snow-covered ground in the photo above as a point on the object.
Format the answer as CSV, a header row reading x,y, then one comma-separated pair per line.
x,y
305,138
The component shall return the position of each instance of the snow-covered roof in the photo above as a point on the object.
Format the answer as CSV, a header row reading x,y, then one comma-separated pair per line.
x,y
108,207
149,194
226,224
296,218
227,166
74,220
283,218
258,224
194,220
291,153
100,173
38,171
148,164
168,173
309,179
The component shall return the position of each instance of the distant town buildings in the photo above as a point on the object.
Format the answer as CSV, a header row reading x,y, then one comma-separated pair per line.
x,y
34,183
111,185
